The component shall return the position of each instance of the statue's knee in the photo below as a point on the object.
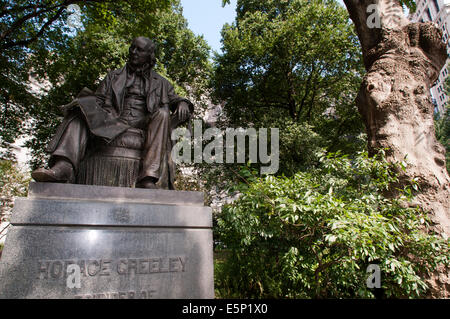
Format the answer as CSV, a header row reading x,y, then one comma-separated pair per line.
x,y
163,114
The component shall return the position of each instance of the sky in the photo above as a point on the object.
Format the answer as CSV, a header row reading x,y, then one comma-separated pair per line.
x,y
207,17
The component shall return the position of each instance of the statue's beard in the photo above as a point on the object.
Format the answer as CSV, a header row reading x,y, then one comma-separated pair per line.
x,y
139,68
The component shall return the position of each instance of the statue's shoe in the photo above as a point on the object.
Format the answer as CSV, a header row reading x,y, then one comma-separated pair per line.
x,y
46,175
147,183
61,172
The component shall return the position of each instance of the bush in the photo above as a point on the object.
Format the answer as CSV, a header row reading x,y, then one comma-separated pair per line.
x,y
13,183
314,234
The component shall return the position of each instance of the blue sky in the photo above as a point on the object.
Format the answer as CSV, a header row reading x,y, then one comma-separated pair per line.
x,y
207,17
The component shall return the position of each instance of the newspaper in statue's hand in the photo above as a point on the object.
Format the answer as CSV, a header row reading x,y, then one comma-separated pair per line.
x,y
68,107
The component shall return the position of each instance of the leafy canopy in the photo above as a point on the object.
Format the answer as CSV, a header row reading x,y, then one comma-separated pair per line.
x,y
39,29
293,65
82,58
287,58
410,4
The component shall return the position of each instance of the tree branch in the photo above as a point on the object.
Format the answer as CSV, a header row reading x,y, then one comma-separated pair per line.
x,y
18,23
308,83
22,20
390,15
41,31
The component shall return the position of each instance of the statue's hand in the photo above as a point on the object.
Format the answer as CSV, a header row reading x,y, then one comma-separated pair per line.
x,y
183,111
68,107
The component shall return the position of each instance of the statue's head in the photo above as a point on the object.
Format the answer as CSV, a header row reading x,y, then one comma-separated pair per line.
x,y
142,51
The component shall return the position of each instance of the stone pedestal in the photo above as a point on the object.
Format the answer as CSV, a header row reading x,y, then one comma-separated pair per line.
x,y
79,241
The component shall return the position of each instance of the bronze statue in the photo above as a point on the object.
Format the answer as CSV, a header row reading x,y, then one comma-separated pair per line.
x,y
120,135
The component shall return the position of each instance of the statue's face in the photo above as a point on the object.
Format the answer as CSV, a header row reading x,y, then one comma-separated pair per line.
x,y
139,52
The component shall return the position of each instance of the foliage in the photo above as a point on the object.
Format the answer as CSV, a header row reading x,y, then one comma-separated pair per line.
x,y
410,4
287,59
26,25
84,57
442,126
13,183
314,234
39,28
293,65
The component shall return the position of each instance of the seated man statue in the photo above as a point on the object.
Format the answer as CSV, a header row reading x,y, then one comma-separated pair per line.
x,y
133,110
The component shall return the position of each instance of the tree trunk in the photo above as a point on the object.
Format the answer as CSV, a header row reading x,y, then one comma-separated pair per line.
x,y
403,60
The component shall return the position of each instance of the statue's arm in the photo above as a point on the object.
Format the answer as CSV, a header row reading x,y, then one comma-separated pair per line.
x,y
182,107
176,101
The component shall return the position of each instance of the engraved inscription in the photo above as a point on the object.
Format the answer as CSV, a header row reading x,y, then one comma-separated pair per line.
x,y
151,265
145,294
4,267
57,269
122,215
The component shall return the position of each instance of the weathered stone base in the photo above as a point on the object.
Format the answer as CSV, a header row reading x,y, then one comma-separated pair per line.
x,y
126,243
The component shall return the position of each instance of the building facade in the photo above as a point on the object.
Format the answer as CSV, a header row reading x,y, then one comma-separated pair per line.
x,y
437,11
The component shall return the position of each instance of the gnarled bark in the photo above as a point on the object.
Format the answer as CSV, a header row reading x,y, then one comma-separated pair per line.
x,y
403,60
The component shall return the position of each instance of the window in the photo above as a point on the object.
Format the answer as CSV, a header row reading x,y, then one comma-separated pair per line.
x,y
429,14
436,5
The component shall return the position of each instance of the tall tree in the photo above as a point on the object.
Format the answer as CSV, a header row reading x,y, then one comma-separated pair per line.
x,y
291,58
294,65
403,60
